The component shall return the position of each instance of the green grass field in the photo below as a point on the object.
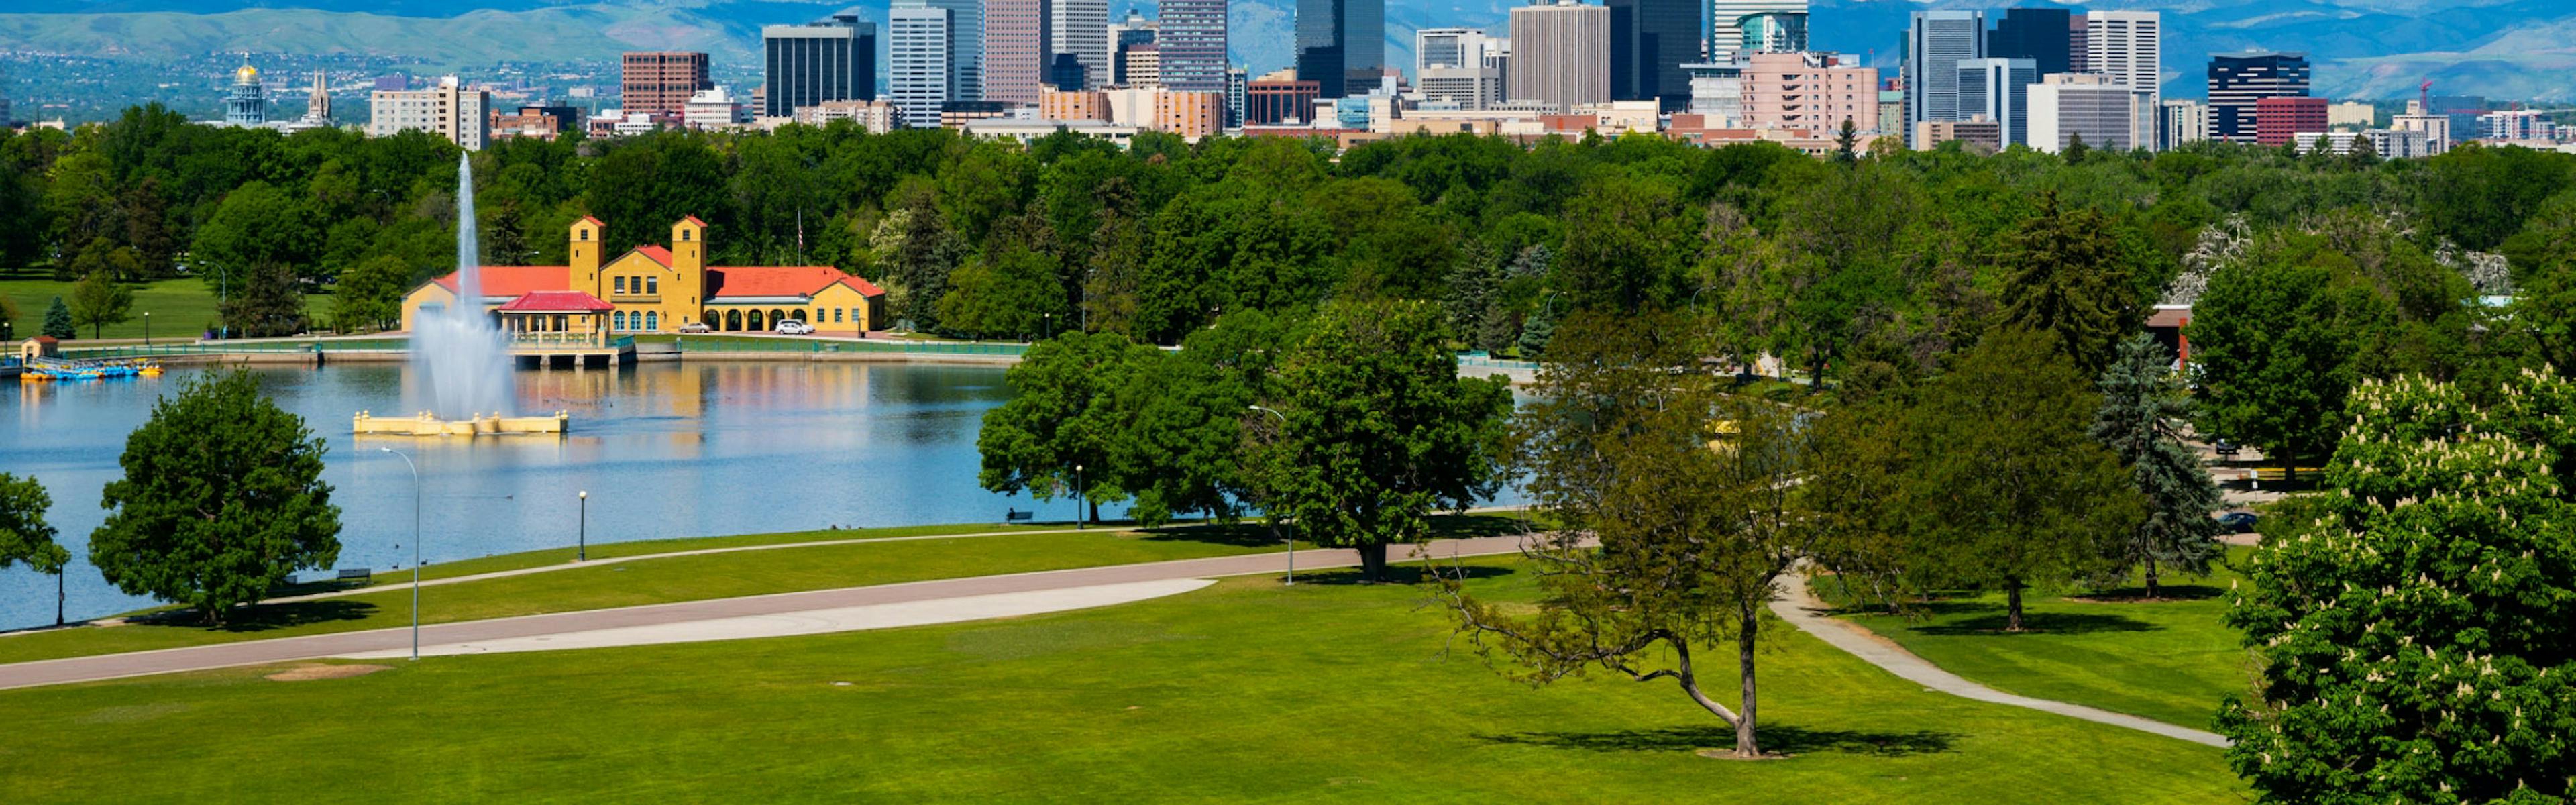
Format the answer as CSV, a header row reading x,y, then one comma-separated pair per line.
x,y
2170,660
1246,691
605,583
181,308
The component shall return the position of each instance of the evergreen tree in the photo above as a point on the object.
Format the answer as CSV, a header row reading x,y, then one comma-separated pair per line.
x,y
58,321
267,301
2076,150
2142,398
2065,274
1847,143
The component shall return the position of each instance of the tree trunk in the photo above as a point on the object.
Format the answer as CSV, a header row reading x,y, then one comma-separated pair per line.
x,y
2151,577
1095,511
2012,605
1373,561
1745,743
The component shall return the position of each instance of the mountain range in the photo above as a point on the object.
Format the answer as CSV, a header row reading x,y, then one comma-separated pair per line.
x,y
2372,49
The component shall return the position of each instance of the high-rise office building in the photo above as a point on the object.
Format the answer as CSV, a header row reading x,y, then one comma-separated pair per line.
x,y
1014,49
1238,83
660,82
1650,40
1560,54
247,105
1139,66
1446,47
1935,43
1998,90
2042,35
1451,65
1192,37
1807,91
1341,44
2280,119
828,60
1724,37
448,109
2129,47
1127,38
2238,80
1080,29
2105,112
2463,110
1773,32
2181,122
919,45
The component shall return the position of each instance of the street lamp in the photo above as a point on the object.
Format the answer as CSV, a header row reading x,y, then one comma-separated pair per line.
x,y
147,329
582,554
1292,541
1077,497
415,547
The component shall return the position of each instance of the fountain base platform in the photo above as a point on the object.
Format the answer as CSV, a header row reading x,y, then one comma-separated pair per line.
x,y
425,424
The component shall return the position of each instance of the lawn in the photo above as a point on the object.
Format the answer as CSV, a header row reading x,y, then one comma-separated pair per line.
x,y
606,583
181,308
1243,691
2171,660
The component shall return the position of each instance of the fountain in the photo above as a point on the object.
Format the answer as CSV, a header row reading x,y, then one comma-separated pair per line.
x,y
463,361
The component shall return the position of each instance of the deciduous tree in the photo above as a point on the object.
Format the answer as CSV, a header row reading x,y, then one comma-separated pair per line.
x,y
1059,431
222,498
99,300
24,534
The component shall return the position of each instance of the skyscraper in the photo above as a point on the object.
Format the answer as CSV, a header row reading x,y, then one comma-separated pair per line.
x,y
1014,49
248,103
1650,40
1341,44
1999,90
2238,80
2128,46
2037,34
1935,43
660,82
1446,47
966,46
1078,28
1723,34
919,43
2105,112
1192,36
1560,54
829,60
1237,82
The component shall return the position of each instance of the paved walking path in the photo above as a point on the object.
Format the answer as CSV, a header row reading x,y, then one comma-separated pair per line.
x,y
1800,607
261,652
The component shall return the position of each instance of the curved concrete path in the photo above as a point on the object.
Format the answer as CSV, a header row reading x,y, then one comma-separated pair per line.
x,y
1801,608
284,649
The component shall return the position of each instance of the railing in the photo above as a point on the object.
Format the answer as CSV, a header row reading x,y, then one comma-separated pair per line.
x,y
571,340
1479,360
736,344
240,347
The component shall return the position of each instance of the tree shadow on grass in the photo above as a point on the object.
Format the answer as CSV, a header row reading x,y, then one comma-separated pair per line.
x,y
266,617
2164,592
1407,573
1783,739
2048,622
1254,534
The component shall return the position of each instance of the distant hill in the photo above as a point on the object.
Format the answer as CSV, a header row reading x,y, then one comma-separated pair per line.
x,y
2363,48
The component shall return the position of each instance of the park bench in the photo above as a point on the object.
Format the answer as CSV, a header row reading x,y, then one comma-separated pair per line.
x,y
1017,516
355,574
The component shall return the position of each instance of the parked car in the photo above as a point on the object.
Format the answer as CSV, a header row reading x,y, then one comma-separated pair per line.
x,y
2225,448
2237,522
696,327
794,327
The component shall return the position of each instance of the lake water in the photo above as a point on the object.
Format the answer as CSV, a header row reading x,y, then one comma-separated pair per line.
x,y
665,450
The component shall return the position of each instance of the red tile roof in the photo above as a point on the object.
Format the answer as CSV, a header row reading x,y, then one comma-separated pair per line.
x,y
557,302
693,219
656,254
741,281
516,280
594,221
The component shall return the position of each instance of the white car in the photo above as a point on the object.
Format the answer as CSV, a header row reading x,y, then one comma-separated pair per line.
x,y
695,327
794,327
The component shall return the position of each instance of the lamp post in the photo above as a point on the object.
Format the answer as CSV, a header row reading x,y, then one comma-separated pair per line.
x,y
147,329
1078,521
1292,541
582,554
415,548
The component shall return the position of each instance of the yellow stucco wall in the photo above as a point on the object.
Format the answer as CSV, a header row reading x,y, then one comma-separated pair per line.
x,y
675,294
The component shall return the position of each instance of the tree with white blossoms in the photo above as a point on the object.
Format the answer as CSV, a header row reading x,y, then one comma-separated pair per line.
x,y
2419,637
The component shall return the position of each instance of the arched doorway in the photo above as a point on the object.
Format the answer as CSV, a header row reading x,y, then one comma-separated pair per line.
x,y
797,314
753,321
733,321
713,320
776,316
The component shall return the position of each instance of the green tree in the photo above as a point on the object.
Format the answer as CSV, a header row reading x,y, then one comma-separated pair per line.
x,y
267,301
2278,342
99,300
1012,294
58,321
2003,487
255,227
24,534
2076,150
1057,434
1381,431
369,296
1692,539
2416,642
2065,274
222,499
2142,400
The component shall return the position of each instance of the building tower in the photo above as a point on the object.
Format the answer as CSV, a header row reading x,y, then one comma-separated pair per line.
x,y
2128,46
1014,49
1560,54
828,60
1079,29
2239,80
920,44
1192,37
661,82
1998,90
1934,45
248,103
1341,44
317,103
1725,38
1650,40
2038,34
